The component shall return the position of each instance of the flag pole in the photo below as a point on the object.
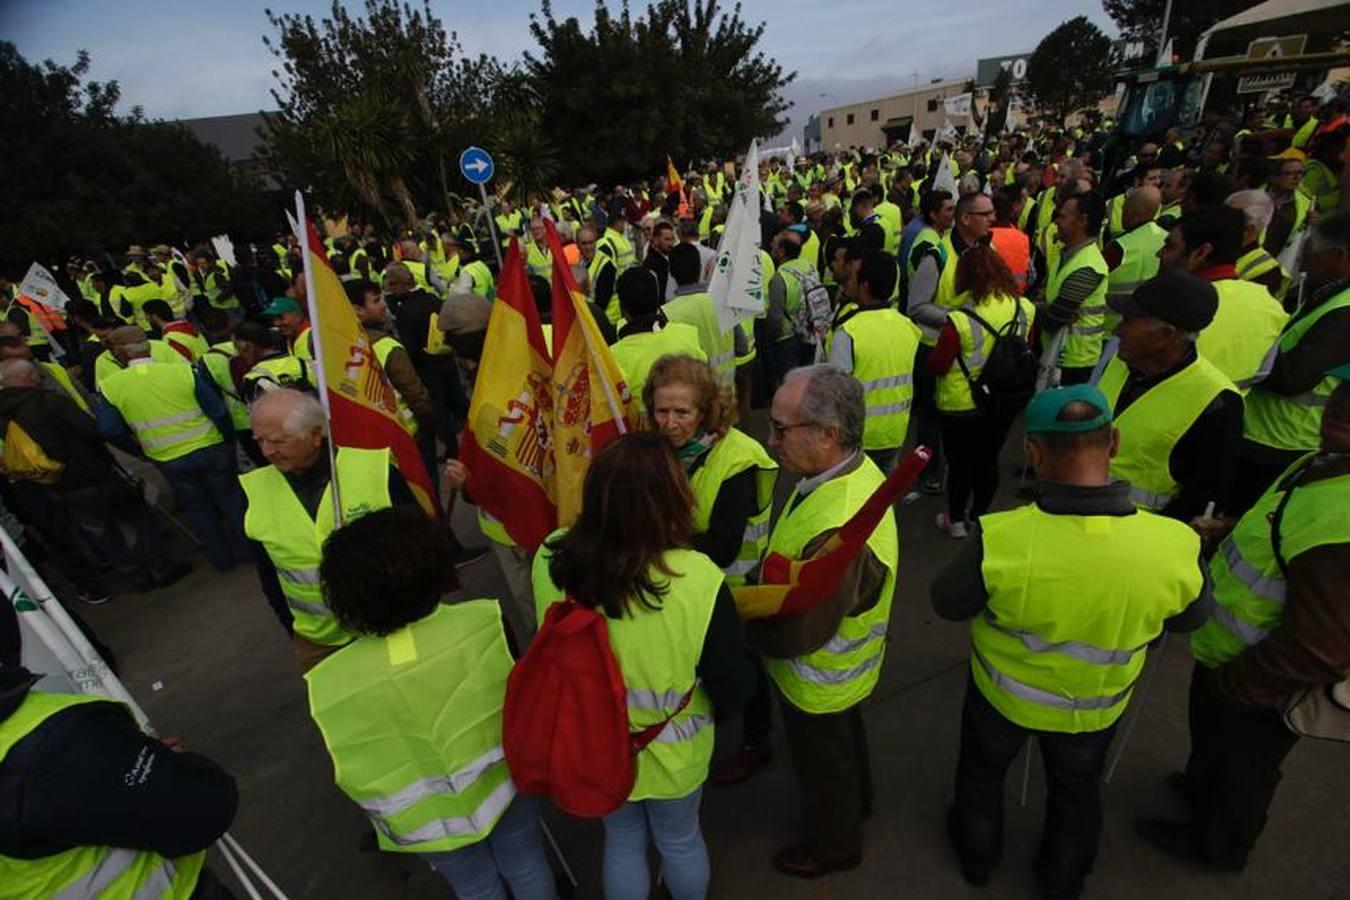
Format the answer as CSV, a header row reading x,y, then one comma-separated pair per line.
x,y
320,372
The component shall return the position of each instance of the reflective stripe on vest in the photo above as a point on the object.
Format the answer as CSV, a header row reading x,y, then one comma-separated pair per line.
x,y
424,764
1249,586
1293,423
1058,647
159,403
845,670
293,540
1151,426
657,651
1082,346
1045,698
884,345
734,453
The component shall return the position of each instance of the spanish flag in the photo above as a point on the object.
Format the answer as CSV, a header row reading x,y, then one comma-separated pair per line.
x,y
791,587
361,403
508,443
674,183
591,401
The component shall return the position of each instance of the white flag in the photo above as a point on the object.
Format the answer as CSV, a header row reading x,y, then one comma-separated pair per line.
x,y
42,287
913,139
737,285
224,248
943,179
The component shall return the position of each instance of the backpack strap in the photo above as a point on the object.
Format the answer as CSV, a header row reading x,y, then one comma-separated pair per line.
x,y
639,740
1294,480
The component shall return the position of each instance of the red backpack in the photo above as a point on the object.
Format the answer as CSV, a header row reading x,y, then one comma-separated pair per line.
x,y
565,729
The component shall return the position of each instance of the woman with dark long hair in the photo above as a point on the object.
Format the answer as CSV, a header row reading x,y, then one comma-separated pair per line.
x,y
972,437
676,636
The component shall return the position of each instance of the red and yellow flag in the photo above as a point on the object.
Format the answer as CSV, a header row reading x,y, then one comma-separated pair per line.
x,y
674,183
508,444
591,401
362,405
792,587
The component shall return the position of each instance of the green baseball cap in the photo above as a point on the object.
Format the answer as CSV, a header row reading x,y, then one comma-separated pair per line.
x,y
1044,409
280,305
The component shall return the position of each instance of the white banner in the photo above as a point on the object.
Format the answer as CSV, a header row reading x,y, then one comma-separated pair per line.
x,y
737,285
958,105
224,248
42,287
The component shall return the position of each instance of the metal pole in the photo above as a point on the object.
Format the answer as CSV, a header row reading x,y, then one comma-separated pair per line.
x,y
1138,704
1026,771
492,227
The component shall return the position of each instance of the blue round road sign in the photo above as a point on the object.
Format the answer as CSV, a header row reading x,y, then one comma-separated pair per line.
x,y
476,165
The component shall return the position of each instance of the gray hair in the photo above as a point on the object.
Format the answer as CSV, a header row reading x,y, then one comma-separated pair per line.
x,y
832,399
18,373
305,414
1257,207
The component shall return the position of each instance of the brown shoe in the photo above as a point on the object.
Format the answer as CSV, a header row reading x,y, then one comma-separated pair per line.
x,y
742,764
799,863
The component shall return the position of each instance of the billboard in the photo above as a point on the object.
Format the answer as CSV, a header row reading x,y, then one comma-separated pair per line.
x,y
986,70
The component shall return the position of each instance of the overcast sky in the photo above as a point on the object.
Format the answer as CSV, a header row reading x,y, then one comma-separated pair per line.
x,y
204,57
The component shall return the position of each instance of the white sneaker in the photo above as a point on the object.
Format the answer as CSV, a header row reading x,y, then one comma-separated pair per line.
x,y
955,529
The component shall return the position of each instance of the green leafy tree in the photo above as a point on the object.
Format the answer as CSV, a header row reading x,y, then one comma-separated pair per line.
x,y
374,109
84,179
684,78
1070,69
1141,20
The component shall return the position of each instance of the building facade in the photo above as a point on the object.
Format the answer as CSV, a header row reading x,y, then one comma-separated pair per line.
x,y
876,123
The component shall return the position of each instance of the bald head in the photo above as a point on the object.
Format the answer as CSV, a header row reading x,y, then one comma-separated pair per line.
x,y
1141,205
18,373
409,249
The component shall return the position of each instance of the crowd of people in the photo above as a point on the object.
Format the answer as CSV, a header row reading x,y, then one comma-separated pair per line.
x,y
1187,305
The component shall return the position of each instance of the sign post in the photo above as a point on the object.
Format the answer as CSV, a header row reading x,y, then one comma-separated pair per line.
x,y
476,165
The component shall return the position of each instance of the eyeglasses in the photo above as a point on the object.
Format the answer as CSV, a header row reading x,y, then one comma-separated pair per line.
x,y
781,429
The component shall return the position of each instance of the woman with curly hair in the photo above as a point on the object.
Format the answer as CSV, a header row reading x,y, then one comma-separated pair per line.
x,y
411,710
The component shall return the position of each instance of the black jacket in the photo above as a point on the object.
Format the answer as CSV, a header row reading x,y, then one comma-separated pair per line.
x,y
88,777
65,432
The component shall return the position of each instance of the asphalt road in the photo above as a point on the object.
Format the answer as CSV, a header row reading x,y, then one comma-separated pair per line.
x,y
210,664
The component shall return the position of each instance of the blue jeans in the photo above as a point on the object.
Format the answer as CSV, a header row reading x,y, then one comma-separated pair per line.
x,y
92,510
206,485
1073,807
513,852
674,828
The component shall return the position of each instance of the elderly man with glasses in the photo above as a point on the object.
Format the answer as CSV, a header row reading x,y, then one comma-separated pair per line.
x,y
827,662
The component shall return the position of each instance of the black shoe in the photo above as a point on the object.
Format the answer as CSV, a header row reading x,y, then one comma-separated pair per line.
x,y
975,874
464,556
1171,838
95,597
173,573
742,764
800,863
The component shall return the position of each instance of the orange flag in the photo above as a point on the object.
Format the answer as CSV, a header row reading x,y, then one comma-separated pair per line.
x,y
591,401
792,587
361,403
508,445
